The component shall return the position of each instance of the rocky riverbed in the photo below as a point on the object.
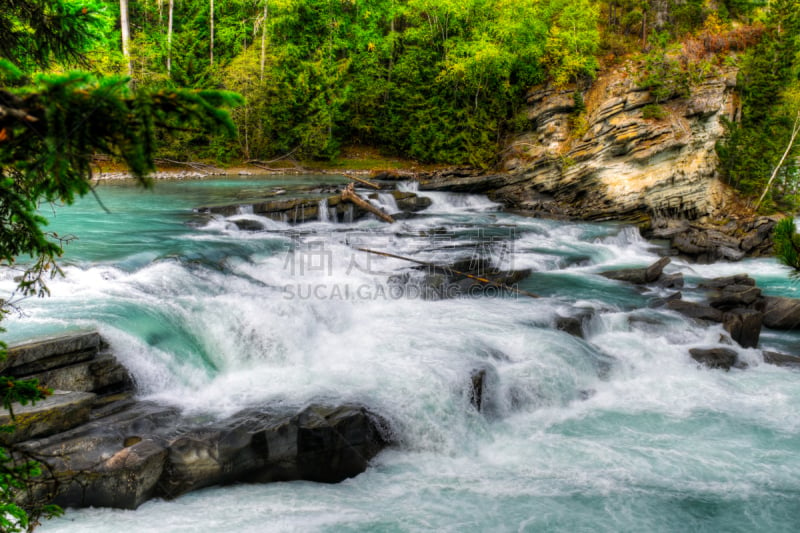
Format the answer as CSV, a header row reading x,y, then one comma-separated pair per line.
x,y
103,447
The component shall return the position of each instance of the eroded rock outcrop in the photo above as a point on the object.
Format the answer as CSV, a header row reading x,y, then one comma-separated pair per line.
x,y
612,162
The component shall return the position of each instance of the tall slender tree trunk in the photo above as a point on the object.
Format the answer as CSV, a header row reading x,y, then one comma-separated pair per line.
x,y
391,56
126,34
169,37
264,38
795,132
211,55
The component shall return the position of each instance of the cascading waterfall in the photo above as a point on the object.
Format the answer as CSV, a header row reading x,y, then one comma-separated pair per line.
x,y
324,215
387,203
616,431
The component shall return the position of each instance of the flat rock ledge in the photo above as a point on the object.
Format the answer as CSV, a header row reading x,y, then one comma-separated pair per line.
x,y
101,447
300,210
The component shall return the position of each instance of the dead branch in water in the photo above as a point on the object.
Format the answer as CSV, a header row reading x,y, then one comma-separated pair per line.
x,y
452,271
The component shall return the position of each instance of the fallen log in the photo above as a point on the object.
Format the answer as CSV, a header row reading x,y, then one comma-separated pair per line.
x,y
452,271
349,195
363,181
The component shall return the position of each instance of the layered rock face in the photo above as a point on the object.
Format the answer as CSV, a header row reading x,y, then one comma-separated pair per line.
x,y
611,162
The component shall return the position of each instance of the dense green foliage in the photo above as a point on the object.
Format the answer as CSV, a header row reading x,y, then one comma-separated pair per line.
x,y
767,81
434,80
787,244
50,126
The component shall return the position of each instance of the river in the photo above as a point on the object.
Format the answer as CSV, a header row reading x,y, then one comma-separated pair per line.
x,y
620,431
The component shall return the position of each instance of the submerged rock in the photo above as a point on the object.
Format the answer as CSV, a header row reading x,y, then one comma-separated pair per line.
x,y
434,282
407,202
723,358
695,310
571,325
477,387
782,359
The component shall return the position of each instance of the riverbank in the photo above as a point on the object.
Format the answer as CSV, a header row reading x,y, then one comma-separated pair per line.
x,y
354,160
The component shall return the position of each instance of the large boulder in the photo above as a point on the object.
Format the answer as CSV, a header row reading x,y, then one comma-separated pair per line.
x,y
782,313
148,450
744,325
115,461
639,276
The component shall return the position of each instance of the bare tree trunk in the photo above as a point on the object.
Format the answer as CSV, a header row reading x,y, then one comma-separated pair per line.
x,y
644,29
391,57
126,34
169,37
211,55
264,38
795,131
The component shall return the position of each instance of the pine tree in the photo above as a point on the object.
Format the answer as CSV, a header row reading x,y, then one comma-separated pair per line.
x,y
787,244
50,126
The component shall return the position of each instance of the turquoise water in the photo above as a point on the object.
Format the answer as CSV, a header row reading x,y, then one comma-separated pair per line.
x,y
617,432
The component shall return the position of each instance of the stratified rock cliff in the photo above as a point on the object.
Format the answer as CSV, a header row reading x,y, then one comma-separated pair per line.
x,y
612,163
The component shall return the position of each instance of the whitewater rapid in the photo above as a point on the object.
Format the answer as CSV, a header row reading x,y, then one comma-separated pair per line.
x,y
619,431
